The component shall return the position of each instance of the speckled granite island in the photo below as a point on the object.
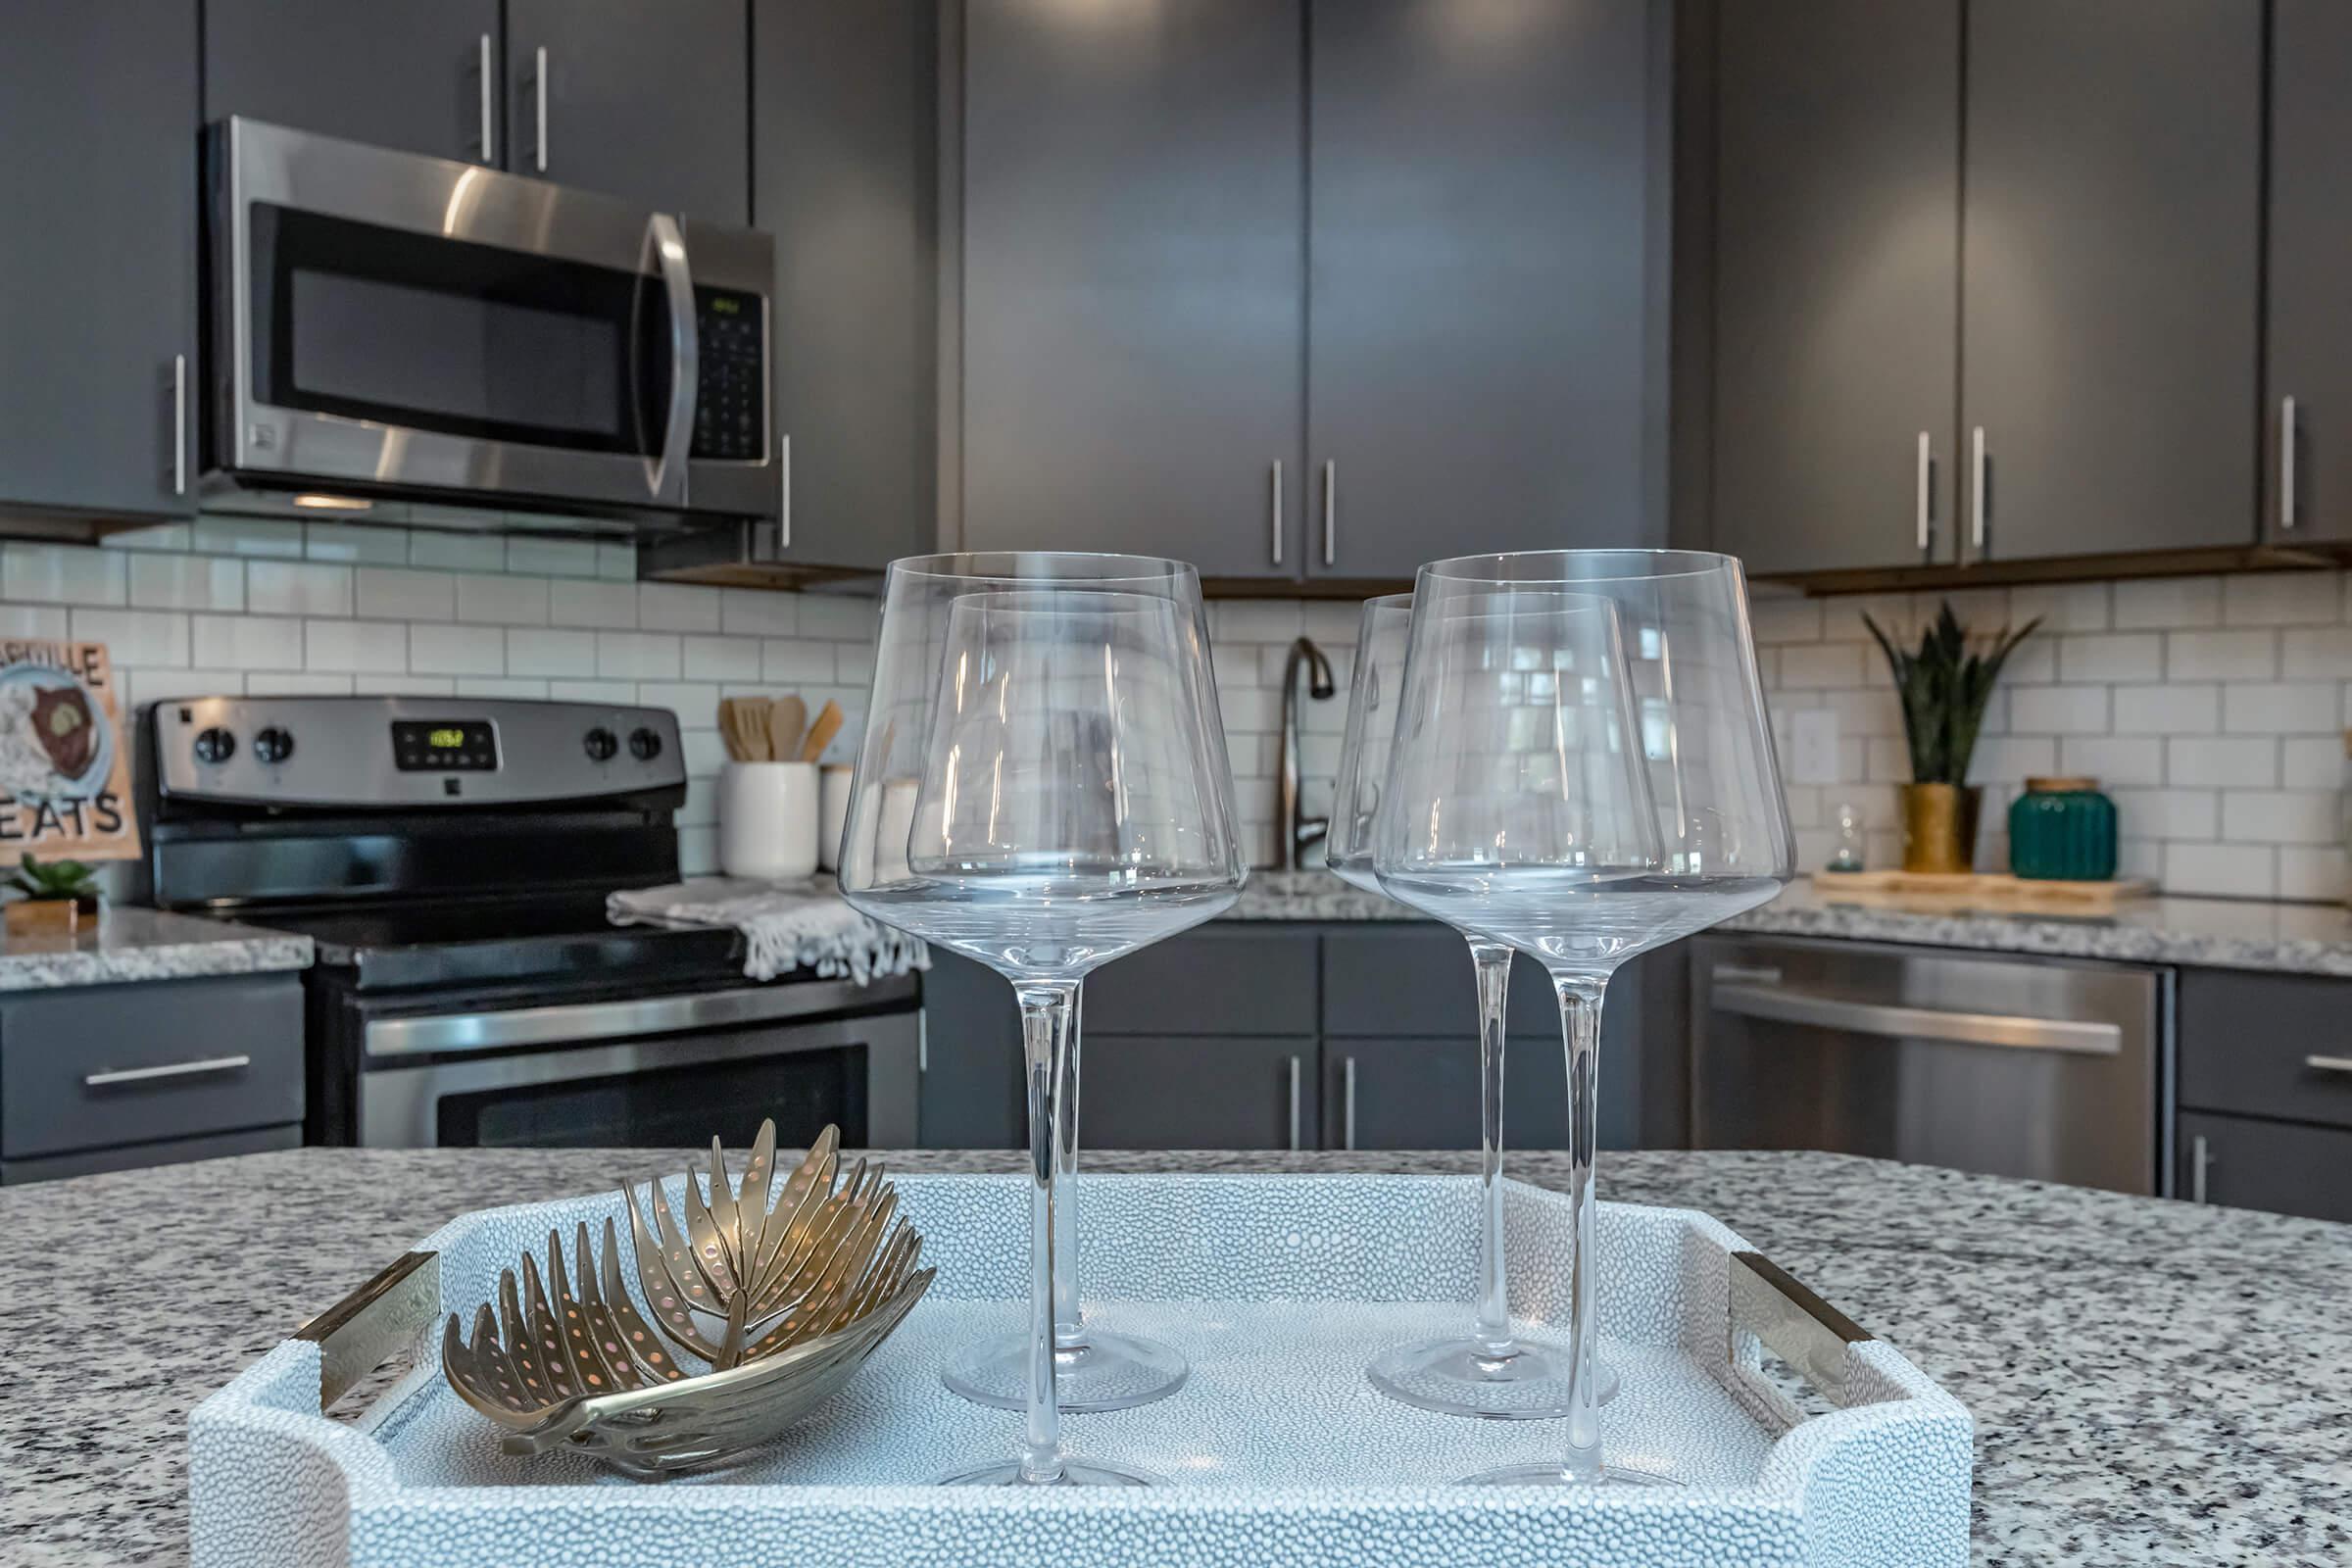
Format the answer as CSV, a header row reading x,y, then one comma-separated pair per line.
x,y
2152,1381
136,944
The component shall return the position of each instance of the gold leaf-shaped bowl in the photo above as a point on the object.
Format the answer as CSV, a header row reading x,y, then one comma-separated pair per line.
x,y
755,1312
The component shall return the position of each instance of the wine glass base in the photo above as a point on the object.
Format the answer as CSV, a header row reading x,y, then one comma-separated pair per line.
x,y
1105,1372
1555,1475
1458,1377
1074,1473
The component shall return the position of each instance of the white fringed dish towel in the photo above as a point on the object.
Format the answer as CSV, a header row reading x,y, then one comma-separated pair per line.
x,y
785,926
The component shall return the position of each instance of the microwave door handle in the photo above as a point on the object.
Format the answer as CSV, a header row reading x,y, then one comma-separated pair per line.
x,y
668,477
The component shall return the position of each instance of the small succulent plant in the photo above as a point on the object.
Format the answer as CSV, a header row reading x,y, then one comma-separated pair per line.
x,y
59,879
1943,689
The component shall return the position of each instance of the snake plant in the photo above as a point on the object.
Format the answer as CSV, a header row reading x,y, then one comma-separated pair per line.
x,y
59,879
1943,688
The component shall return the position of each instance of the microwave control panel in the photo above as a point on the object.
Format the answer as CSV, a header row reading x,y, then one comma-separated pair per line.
x,y
730,401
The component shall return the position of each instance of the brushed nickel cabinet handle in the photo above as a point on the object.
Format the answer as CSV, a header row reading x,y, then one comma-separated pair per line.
x,y
1977,471
2286,463
2325,1063
784,456
179,424
172,1070
1274,512
539,81
1294,1106
1925,500
1347,1103
2200,1160
489,85
1331,507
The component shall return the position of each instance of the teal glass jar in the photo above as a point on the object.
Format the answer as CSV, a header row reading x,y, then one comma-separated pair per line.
x,y
2062,830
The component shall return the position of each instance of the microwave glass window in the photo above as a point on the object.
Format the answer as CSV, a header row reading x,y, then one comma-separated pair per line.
x,y
430,332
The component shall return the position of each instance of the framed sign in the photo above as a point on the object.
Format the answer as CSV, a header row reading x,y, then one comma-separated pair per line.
x,y
65,760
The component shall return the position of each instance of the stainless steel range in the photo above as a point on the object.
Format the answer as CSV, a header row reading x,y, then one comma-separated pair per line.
x,y
451,857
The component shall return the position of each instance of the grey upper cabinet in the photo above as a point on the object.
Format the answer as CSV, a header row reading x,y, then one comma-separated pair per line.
x,y
1837,285
845,131
644,99
98,273
2307,468
421,76
2111,284
1478,266
1133,258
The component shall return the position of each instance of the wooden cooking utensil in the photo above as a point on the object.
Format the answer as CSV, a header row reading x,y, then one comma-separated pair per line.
x,y
787,722
744,730
820,734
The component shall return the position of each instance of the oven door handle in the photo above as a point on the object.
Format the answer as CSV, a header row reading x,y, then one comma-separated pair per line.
x,y
571,1023
1892,1020
668,477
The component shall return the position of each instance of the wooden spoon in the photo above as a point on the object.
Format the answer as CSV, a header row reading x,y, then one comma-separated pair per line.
x,y
787,721
820,734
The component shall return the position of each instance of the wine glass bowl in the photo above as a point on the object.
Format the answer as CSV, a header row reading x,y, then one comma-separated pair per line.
x,y
1042,787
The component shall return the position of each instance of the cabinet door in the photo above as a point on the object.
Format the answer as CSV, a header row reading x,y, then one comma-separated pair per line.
x,y
1197,1092
1423,1094
1480,268
646,99
845,123
2276,1166
2110,289
98,273
408,77
1133,287
1837,282
2310,323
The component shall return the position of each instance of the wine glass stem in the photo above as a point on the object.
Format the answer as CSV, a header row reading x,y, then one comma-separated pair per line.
x,y
1067,1333
1493,963
1049,1009
1580,1029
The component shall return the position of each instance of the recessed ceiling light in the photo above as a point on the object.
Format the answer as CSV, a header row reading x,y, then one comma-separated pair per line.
x,y
324,503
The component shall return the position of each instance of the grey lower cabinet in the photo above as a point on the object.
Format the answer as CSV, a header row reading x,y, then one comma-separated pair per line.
x,y
1133,246
1197,1092
421,76
98,373
649,100
2307,467
1837,282
2111,293
1478,255
113,1077
1409,1092
845,107
2266,1114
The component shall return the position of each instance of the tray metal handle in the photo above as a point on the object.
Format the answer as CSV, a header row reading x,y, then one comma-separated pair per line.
x,y
1800,1328
361,1332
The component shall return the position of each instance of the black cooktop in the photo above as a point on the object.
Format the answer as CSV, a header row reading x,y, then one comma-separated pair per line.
x,y
472,941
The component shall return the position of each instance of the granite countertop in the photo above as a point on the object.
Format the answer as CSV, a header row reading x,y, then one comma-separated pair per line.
x,y
2151,1381
136,944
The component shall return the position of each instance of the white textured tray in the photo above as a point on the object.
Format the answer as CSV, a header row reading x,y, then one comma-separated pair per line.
x,y
1279,1451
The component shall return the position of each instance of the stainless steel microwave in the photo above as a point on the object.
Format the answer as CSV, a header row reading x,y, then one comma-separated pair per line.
x,y
384,323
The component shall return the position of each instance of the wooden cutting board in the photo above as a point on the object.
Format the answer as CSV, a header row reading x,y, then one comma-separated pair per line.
x,y
1980,889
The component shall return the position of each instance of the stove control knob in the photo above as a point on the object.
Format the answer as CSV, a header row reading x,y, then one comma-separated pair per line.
x,y
643,744
216,745
601,743
272,745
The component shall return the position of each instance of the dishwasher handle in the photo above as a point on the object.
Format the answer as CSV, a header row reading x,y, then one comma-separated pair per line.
x,y
1894,1020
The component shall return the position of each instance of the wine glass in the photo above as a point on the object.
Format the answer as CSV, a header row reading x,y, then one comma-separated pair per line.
x,y
1490,1371
1043,786
1721,826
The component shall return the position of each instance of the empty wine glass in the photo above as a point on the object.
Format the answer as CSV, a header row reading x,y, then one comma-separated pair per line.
x,y
1490,1371
1043,786
1703,746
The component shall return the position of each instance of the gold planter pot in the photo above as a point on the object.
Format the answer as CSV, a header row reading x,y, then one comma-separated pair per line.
x,y
1939,827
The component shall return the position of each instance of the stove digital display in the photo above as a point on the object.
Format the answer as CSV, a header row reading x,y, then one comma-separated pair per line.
x,y
444,746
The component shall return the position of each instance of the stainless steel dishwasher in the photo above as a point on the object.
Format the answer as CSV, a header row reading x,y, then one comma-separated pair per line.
x,y
2056,1069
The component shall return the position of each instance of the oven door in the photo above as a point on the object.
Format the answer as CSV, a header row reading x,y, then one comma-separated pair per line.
x,y
386,322
665,1071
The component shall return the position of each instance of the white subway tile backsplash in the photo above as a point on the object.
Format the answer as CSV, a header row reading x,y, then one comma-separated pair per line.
x,y
2182,709
1824,665
171,536
1773,618
355,544
187,582
2168,603
163,685
248,642
2281,599
2308,872
371,647
537,650
617,561
288,588
399,593
373,683
2247,763
552,557
593,691
2281,817
2226,870
2316,653
64,574
2167,814
748,611
787,661
457,552
456,650
2062,607
136,636
724,658
502,600
277,683
2114,656
637,655
677,606
222,535
2062,711
606,605
2288,708
842,617
2114,759
2221,655
35,620
2313,762
499,686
